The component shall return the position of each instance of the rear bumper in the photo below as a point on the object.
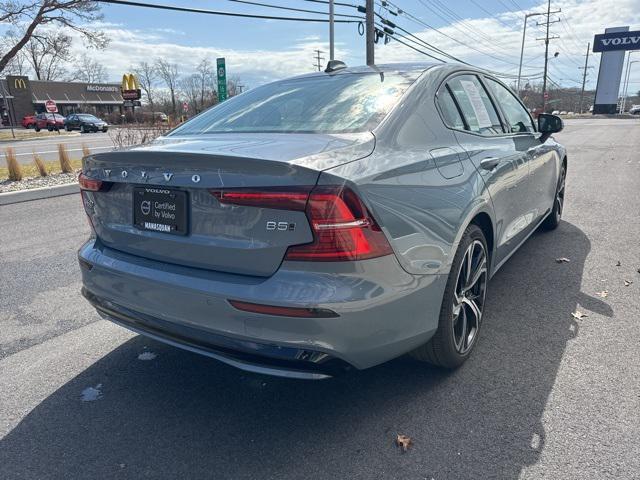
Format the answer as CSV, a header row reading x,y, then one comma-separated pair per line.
x,y
383,311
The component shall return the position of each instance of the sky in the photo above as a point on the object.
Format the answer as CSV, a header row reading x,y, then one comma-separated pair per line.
x,y
486,33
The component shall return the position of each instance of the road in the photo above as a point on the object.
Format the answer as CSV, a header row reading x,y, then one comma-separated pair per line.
x,y
47,147
544,396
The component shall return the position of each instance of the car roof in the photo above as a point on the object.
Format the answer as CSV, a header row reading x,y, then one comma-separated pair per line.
x,y
412,67
387,67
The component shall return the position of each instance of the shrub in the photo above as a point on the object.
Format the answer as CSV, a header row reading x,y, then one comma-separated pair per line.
x,y
15,170
42,169
63,156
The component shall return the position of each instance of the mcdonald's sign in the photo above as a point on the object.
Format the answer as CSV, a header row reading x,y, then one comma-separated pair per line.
x,y
19,84
130,88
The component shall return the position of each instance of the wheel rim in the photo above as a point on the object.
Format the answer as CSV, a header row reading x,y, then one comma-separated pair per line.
x,y
559,202
471,288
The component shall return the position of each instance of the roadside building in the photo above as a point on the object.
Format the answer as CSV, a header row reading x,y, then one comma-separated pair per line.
x,y
22,96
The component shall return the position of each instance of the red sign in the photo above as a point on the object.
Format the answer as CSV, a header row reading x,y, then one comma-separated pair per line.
x,y
546,95
131,94
51,106
185,107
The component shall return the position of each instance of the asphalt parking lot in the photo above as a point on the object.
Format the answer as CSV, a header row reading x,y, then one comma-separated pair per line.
x,y
545,395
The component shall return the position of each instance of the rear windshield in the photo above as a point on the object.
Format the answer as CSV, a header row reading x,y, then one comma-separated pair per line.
x,y
87,117
324,104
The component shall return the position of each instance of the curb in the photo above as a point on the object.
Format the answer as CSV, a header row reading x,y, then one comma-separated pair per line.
x,y
8,198
46,137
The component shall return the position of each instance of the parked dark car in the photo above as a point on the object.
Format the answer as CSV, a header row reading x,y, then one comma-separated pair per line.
x,y
29,121
85,123
330,221
49,121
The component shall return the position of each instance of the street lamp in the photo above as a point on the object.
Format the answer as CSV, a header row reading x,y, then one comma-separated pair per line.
x,y
626,82
524,32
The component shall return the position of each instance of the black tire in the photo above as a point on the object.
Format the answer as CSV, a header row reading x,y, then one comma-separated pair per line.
x,y
553,219
445,349
49,128
36,128
67,128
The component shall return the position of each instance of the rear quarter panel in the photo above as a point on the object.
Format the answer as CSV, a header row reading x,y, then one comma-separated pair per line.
x,y
422,196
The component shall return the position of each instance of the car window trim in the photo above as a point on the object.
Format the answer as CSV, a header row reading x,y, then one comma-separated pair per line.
x,y
517,97
444,83
464,119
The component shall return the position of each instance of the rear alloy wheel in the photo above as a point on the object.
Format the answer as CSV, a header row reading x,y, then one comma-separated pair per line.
x,y
462,304
553,219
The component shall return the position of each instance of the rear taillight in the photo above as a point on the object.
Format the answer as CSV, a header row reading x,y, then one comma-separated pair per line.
x,y
92,184
343,228
283,198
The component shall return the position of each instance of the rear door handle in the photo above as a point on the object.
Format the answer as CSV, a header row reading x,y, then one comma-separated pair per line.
x,y
489,163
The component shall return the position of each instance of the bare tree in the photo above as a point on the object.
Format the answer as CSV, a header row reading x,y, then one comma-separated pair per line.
x,y
48,56
235,86
190,88
28,16
168,72
88,70
205,73
147,76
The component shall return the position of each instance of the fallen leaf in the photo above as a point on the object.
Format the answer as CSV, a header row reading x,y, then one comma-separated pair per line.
x,y
578,314
603,293
562,260
618,263
403,442
627,283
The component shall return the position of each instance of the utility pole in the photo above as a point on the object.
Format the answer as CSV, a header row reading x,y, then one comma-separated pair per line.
x,y
625,84
331,31
584,74
524,32
319,59
370,32
546,53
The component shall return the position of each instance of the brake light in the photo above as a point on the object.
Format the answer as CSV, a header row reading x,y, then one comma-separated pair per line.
x,y
91,184
282,198
343,228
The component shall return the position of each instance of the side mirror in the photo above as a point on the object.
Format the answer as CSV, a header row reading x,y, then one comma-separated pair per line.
x,y
548,124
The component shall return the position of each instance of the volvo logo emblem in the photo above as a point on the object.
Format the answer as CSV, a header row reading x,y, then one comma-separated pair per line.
x,y
124,174
107,173
167,176
145,207
195,178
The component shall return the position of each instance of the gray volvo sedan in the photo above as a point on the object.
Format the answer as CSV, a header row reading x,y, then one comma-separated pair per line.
x,y
324,222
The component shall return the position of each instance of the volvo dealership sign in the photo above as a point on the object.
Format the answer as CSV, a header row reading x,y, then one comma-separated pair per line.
x,y
606,42
612,43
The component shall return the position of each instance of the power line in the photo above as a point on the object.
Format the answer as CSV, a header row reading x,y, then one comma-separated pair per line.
x,y
418,21
222,13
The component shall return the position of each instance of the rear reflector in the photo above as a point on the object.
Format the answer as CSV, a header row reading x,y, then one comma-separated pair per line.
x,y
283,311
343,228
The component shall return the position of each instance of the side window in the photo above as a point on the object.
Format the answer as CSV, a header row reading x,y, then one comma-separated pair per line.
x,y
517,117
450,113
476,106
